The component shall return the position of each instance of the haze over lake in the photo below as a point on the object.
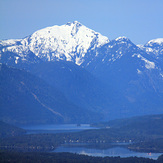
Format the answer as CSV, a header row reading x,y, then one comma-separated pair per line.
x,y
60,128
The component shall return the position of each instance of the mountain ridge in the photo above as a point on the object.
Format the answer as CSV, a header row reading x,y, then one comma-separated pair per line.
x,y
132,77
70,42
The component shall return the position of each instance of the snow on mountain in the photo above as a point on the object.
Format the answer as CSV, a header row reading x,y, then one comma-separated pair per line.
x,y
155,41
108,53
76,43
148,64
115,50
68,42
122,39
9,42
153,47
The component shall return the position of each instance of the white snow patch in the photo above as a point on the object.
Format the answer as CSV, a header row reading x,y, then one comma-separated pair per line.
x,y
149,50
88,63
140,46
96,54
120,38
139,72
161,75
79,61
23,59
148,64
9,42
134,55
16,60
110,46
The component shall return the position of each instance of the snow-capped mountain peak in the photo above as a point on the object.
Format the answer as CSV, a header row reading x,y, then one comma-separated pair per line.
x,y
155,41
153,47
122,38
68,42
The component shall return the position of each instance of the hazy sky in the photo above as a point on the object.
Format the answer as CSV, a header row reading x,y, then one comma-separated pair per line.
x,y
139,20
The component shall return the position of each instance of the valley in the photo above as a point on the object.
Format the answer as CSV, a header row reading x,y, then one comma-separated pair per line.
x,y
116,137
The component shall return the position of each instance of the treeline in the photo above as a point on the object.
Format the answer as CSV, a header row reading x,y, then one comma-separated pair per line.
x,y
101,138
68,158
7,130
155,145
149,124
46,142
38,142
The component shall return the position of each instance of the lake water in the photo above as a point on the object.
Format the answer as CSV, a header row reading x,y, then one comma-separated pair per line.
x,y
112,152
60,128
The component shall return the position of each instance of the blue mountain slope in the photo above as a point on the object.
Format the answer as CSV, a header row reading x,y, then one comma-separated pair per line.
x,y
26,99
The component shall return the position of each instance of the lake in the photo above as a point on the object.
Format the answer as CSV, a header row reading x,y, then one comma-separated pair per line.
x,y
111,152
59,128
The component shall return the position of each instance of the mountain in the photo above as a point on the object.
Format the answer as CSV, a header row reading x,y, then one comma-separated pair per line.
x,y
114,77
114,51
69,42
133,75
155,48
26,99
78,85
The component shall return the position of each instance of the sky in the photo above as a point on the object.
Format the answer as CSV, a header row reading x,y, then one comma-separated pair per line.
x,y
139,20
